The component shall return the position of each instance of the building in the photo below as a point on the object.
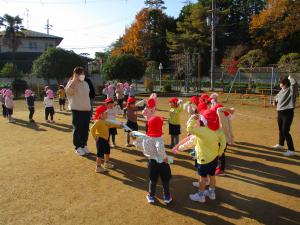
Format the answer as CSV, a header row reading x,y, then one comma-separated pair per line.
x,y
32,45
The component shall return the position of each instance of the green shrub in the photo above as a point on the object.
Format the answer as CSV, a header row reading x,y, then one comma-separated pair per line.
x,y
167,88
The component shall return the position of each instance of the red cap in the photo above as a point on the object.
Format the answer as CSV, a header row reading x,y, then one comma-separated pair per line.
x,y
194,100
173,100
108,100
201,106
155,124
204,96
151,103
99,110
130,100
212,119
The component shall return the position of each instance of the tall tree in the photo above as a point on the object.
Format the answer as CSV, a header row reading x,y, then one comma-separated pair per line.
x,y
13,31
155,4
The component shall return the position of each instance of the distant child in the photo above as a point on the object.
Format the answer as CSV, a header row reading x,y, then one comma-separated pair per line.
x,y
100,132
126,91
9,105
119,94
112,111
29,96
131,90
174,120
191,105
131,115
149,110
49,106
2,100
210,143
45,91
61,93
153,149
202,105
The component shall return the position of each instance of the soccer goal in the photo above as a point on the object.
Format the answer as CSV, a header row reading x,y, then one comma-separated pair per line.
x,y
254,84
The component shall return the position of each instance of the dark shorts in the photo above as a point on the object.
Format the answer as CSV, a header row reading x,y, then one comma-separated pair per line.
x,y
207,169
156,170
174,129
125,98
113,131
102,147
9,111
132,125
62,101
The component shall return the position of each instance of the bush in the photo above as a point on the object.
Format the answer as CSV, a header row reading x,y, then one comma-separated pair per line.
x,y
19,86
167,88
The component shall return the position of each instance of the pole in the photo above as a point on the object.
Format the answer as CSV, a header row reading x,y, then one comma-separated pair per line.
x,y
212,58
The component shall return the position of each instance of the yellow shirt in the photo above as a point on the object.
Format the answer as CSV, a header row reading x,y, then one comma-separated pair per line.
x,y
61,93
209,144
175,115
101,129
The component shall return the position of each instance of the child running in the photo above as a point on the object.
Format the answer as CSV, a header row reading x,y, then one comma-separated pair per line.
x,y
100,132
49,106
9,105
174,120
112,111
61,93
158,166
29,96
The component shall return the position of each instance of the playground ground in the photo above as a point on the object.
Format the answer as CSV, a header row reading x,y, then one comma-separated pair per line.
x,y
42,180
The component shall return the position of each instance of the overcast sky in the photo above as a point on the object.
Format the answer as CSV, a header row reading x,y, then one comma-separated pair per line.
x,y
86,27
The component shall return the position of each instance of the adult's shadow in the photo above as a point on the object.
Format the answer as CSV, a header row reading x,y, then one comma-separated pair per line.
x,y
26,124
64,113
53,126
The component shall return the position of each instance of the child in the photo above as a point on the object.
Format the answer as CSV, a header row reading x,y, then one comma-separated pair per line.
x,y
61,97
202,105
149,110
153,149
131,114
2,100
49,106
100,132
9,105
119,94
210,143
174,120
112,111
131,90
30,104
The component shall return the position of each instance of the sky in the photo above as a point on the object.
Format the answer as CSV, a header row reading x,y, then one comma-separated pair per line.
x,y
87,26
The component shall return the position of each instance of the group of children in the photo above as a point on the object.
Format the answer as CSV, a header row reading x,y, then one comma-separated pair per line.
x,y
209,132
6,99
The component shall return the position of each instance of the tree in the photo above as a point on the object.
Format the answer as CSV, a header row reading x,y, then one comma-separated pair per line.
x,y
155,4
13,31
290,63
123,67
8,70
56,63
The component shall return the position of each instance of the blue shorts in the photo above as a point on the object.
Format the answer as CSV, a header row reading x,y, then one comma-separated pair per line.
x,y
208,168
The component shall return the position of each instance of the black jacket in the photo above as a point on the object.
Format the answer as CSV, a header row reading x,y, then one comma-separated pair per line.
x,y
91,86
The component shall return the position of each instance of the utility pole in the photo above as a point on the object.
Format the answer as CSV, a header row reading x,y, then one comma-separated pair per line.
x,y
213,42
48,27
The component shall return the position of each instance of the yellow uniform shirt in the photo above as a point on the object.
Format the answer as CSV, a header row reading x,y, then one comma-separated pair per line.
x,y
100,129
61,93
175,115
209,144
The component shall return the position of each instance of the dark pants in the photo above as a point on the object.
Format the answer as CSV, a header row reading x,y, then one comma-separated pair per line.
x,y
222,161
31,112
156,170
4,110
120,103
49,111
80,122
285,119
92,107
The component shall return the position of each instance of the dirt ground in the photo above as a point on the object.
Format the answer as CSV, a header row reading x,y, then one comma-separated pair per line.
x,y
42,180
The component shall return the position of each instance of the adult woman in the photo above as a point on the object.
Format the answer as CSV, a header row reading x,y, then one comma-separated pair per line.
x,y
285,103
77,91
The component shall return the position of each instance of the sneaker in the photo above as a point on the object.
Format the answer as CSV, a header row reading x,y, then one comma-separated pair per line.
x,y
86,150
31,121
211,194
150,198
167,199
289,153
196,184
52,121
113,145
198,197
100,169
129,145
80,151
278,146
108,165
47,121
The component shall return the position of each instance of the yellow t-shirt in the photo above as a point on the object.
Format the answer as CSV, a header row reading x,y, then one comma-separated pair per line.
x,y
101,129
61,94
175,115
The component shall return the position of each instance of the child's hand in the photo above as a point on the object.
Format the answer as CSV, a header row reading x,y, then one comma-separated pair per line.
x,y
195,117
175,150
